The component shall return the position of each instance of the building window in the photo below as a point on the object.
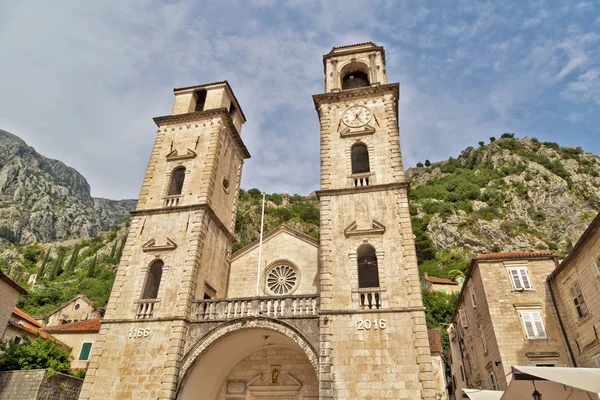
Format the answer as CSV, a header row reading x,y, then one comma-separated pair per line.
x,y
533,324
463,318
520,278
473,298
177,177
360,159
200,100
153,280
596,360
354,80
578,300
17,339
281,279
598,269
462,373
483,341
493,382
368,272
84,355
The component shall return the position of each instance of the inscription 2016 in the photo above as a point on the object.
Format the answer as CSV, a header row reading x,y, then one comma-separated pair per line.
x,y
367,324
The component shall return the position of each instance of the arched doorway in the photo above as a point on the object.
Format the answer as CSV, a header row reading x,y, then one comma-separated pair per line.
x,y
255,359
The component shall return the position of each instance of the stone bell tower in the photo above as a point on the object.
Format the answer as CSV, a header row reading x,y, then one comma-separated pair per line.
x,y
178,248
373,335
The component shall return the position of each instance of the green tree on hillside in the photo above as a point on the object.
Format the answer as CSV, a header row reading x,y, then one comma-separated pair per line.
x,y
34,354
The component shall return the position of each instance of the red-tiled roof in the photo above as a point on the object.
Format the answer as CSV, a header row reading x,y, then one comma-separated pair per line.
x,y
4,277
89,325
25,327
20,314
435,279
524,254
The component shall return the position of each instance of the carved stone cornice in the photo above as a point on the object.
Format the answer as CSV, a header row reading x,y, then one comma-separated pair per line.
x,y
204,115
362,189
377,228
174,156
327,98
351,132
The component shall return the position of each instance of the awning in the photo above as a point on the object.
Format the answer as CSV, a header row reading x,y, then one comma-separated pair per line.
x,y
587,379
478,394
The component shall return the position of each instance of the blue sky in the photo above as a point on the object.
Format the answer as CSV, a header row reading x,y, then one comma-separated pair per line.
x,y
81,81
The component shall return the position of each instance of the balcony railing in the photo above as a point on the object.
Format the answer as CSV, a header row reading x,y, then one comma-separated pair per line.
x,y
271,306
369,298
145,308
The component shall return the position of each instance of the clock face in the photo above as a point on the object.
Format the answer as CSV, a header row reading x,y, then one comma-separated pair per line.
x,y
357,116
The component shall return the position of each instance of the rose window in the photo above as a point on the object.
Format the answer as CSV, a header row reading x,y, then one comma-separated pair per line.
x,y
282,279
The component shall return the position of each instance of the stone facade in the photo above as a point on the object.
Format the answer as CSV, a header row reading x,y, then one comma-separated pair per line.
x,y
504,317
367,206
579,274
448,286
77,309
341,318
80,337
9,295
37,385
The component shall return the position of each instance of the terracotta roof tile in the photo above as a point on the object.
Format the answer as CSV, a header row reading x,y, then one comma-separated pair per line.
x,y
32,330
21,314
524,254
435,279
89,325
4,277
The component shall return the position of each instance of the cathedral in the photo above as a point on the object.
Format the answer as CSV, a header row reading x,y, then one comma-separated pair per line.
x,y
293,317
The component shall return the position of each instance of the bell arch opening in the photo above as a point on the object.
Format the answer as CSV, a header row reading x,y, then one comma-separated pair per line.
x,y
355,75
256,357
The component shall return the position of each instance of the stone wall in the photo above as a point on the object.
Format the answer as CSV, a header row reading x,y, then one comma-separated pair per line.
x,y
36,385
581,268
75,341
78,310
8,299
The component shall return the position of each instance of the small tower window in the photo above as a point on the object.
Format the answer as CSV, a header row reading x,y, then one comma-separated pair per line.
x,y
360,159
354,80
177,178
153,280
368,273
200,100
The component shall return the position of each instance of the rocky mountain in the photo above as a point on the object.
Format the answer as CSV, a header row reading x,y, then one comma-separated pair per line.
x,y
45,200
509,195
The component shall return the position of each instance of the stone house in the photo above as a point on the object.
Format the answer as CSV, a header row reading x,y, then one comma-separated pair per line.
x,y
9,295
438,365
448,286
504,317
575,287
22,325
79,308
80,337
341,318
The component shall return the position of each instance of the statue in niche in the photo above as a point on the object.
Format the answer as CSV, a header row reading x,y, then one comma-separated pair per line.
x,y
274,376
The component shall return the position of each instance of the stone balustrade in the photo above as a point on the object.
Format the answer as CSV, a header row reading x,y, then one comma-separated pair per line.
x,y
370,298
145,308
268,306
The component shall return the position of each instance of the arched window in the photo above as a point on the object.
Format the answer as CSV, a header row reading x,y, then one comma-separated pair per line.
x,y
354,80
153,280
368,273
360,159
177,178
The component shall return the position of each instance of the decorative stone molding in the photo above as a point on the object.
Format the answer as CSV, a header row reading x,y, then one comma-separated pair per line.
x,y
238,325
377,228
174,156
151,245
362,131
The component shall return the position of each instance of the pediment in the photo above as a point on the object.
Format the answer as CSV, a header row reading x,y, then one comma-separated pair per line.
x,y
151,245
377,228
363,130
175,156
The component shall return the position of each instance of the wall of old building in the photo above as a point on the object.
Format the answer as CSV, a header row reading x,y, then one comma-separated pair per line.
x,y
78,310
8,299
75,341
281,248
582,333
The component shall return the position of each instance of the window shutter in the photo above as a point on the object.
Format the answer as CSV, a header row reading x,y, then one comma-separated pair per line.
x,y
85,351
515,277
482,334
528,323
598,270
596,360
473,298
525,279
493,383
538,324
463,318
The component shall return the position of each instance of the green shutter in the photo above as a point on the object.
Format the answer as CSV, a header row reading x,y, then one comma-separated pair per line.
x,y
85,351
